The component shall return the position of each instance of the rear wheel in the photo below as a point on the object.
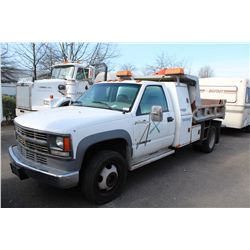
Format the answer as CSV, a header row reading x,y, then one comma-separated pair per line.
x,y
104,177
209,144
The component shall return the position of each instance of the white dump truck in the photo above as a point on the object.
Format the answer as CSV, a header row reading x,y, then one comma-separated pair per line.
x,y
237,93
68,82
115,127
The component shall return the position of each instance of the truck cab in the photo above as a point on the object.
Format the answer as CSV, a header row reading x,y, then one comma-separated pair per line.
x,y
68,82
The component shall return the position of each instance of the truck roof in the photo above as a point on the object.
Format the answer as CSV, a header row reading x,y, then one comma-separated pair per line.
x,y
182,78
130,82
155,79
71,64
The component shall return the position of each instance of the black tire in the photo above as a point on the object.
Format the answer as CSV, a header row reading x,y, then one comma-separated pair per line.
x,y
104,177
208,145
196,146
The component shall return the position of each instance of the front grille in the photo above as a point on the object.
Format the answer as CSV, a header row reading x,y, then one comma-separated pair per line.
x,y
32,144
32,155
31,134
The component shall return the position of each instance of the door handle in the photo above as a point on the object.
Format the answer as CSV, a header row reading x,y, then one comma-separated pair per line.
x,y
141,122
170,119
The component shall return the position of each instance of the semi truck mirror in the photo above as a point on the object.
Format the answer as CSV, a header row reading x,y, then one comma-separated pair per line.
x,y
156,114
61,87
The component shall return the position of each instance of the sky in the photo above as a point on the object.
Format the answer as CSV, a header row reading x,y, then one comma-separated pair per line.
x,y
226,60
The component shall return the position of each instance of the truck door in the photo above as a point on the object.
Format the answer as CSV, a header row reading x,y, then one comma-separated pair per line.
x,y
149,136
81,81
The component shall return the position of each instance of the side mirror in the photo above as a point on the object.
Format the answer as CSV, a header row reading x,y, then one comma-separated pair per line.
x,y
156,114
61,87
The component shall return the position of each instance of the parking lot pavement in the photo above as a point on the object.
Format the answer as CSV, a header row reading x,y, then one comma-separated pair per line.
x,y
187,179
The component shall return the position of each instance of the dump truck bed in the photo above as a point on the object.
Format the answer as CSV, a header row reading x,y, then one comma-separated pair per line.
x,y
209,109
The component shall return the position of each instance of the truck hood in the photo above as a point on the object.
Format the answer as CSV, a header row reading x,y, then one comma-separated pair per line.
x,y
49,82
67,119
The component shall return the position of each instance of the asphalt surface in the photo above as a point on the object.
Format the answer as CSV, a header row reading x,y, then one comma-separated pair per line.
x,y
186,179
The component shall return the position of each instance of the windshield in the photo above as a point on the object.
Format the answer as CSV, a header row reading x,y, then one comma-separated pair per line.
x,y
115,96
63,72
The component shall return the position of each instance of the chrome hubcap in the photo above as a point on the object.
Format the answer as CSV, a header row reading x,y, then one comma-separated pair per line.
x,y
108,177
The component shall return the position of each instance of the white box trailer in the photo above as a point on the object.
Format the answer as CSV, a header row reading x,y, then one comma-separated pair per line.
x,y
237,93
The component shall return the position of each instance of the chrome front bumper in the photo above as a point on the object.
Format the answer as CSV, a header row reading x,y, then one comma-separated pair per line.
x,y
47,174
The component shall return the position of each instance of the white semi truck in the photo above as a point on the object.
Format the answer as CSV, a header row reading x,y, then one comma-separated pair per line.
x,y
115,127
68,82
237,93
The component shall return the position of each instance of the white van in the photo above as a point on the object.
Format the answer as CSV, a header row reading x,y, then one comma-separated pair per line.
x,y
237,93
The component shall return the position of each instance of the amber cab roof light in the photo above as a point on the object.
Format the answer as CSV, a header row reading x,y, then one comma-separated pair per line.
x,y
124,73
170,71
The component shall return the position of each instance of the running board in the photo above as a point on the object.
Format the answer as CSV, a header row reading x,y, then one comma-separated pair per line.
x,y
151,158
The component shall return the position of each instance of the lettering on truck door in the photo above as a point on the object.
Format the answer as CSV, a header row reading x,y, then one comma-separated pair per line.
x,y
152,136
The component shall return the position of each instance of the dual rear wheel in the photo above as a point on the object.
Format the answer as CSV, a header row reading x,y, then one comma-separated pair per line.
x,y
207,145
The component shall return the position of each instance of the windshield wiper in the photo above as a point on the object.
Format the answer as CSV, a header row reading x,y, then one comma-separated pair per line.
x,y
77,103
103,103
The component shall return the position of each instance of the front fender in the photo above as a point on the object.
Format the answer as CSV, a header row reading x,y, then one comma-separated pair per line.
x,y
97,138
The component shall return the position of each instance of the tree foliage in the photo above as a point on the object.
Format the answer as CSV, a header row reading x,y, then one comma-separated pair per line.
x,y
9,105
8,68
42,56
164,60
128,66
30,56
206,72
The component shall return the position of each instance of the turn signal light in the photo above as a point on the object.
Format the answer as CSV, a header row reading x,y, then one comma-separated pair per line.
x,y
66,144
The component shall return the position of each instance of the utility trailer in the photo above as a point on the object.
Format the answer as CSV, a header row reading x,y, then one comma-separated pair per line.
x,y
115,127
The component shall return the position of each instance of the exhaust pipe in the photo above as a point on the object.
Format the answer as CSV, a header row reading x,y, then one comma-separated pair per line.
x,y
104,65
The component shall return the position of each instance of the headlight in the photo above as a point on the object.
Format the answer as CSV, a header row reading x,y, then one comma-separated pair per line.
x,y
59,142
60,146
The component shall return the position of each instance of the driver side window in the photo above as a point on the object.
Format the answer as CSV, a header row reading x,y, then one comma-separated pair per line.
x,y
152,96
81,74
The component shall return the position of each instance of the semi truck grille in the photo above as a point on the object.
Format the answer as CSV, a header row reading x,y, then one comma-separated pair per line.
x,y
33,145
33,156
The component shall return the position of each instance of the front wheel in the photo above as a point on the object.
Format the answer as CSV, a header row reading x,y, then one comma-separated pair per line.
x,y
104,177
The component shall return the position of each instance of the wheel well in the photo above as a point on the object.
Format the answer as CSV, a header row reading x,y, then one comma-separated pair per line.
x,y
118,145
205,128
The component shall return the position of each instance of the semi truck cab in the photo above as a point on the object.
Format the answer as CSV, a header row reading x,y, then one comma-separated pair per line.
x,y
68,82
